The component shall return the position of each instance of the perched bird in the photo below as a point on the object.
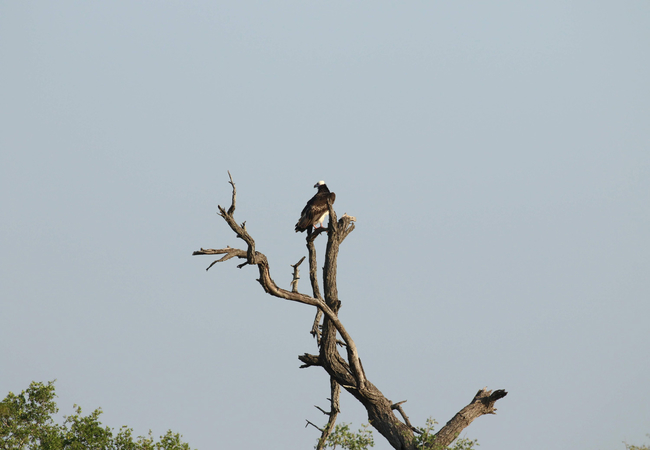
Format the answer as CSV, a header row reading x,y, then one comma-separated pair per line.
x,y
316,209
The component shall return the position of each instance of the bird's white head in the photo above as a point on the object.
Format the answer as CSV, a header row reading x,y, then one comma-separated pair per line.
x,y
320,183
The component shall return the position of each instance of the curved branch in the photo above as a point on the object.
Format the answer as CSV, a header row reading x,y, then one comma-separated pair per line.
x,y
231,210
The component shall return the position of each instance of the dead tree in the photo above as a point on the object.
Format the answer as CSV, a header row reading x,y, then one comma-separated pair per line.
x,y
345,370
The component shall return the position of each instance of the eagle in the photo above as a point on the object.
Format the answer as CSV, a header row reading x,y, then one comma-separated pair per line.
x,y
316,209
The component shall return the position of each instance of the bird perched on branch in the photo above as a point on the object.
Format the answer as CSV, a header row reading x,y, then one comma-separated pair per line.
x,y
316,209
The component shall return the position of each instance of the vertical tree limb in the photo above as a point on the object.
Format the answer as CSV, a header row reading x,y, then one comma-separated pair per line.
x,y
296,275
335,392
313,278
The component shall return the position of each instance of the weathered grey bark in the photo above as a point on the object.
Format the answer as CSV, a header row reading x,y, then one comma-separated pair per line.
x,y
347,372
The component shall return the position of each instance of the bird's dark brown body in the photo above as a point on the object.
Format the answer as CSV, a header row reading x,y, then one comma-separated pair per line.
x,y
316,209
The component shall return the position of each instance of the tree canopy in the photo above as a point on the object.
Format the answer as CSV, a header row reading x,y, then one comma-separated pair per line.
x,y
26,422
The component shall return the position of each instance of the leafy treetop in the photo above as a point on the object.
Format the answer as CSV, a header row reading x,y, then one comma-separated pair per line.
x,y
26,423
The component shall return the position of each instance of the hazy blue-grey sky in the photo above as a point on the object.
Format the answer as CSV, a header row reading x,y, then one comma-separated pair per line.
x,y
496,156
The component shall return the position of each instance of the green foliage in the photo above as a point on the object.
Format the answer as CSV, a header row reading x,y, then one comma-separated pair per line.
x,y
342,437
636,447
26,424
25,419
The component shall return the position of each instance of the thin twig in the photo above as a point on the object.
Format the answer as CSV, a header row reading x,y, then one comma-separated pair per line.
x,y
309,423
231,210
398,407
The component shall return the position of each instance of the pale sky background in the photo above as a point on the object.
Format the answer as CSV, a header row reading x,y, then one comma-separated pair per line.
x,y
496,156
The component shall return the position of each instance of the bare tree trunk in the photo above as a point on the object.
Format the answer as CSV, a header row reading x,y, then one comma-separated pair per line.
x,y
347,371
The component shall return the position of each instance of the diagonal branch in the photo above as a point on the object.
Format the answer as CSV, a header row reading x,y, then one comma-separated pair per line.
x,y
315,426
481,404
398,407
